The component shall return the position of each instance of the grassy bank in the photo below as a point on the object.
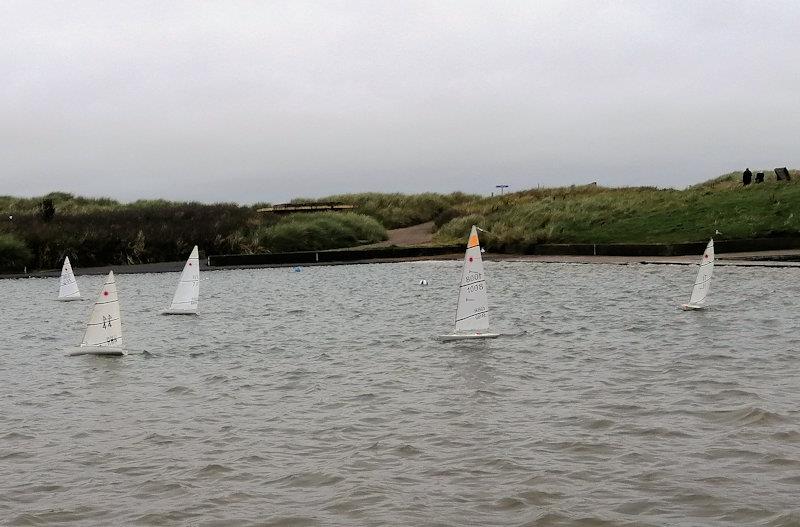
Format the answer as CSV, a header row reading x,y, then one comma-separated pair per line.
x,y
97,232
592,214
320,231
394,211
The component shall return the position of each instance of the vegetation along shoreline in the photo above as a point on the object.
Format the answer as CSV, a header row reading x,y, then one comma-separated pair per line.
x,y
37,233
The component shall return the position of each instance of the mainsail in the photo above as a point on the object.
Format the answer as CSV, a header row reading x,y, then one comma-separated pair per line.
x,y
703,281
188,290
105,327
68,289
472,313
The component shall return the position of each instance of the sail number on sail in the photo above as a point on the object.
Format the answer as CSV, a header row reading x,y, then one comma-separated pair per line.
x,y
473,277
475,287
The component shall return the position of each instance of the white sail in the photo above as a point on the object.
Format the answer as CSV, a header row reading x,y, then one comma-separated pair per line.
x,y
68,289
105,327
703,281
472,314
188,290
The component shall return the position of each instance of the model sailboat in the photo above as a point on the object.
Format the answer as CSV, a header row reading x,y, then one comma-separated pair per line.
x,y
472,313
703,281
68,290
188,291
104,330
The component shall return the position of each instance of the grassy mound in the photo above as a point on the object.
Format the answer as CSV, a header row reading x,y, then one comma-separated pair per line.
x,y
320,231
394,211
592,214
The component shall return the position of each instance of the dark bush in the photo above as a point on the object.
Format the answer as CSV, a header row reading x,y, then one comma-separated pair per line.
x,y
14,255
47,210
130,235
445,216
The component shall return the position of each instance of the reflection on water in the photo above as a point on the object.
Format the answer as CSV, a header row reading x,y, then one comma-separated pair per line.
x,y
322,398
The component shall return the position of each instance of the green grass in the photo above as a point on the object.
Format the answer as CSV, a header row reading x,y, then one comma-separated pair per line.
x,y
591,214
103,231
320,231
403,210
63,201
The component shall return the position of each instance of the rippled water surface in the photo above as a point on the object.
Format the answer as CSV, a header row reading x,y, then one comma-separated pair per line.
x,y
322,398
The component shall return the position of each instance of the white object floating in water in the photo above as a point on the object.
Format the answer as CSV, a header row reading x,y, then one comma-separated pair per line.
x,y
703,281
423,282
68,290
188,291
104,330
472,313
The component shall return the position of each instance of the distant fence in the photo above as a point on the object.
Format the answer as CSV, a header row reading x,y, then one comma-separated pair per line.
x,y
332,256
289,208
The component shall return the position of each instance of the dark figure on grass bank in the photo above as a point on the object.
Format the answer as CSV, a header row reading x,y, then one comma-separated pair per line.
x,y
782,174
747,177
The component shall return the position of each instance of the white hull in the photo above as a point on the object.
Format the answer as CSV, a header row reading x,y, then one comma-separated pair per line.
x,y
98,350
691,307
69,299
178,312
468,336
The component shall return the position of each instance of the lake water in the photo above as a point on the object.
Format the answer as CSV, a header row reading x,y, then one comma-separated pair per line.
x,y
322,398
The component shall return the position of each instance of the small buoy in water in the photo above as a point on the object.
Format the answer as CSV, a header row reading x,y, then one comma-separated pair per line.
x,y
296,269
423,282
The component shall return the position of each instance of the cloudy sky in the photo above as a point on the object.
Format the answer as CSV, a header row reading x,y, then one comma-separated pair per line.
x,y
264,101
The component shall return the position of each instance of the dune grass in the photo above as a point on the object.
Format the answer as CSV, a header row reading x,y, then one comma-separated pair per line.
x,y
103,231
394,211
320,231
592,214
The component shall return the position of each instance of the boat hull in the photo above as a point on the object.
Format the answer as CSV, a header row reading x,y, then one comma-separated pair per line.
x,y
69,299
692,307
178,312
468,336
98,350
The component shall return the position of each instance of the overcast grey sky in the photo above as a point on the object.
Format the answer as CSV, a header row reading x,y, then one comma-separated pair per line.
x,y
264,101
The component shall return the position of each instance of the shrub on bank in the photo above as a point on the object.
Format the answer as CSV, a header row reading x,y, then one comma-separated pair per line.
x,y
14,255
320,231
394,211
134,234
